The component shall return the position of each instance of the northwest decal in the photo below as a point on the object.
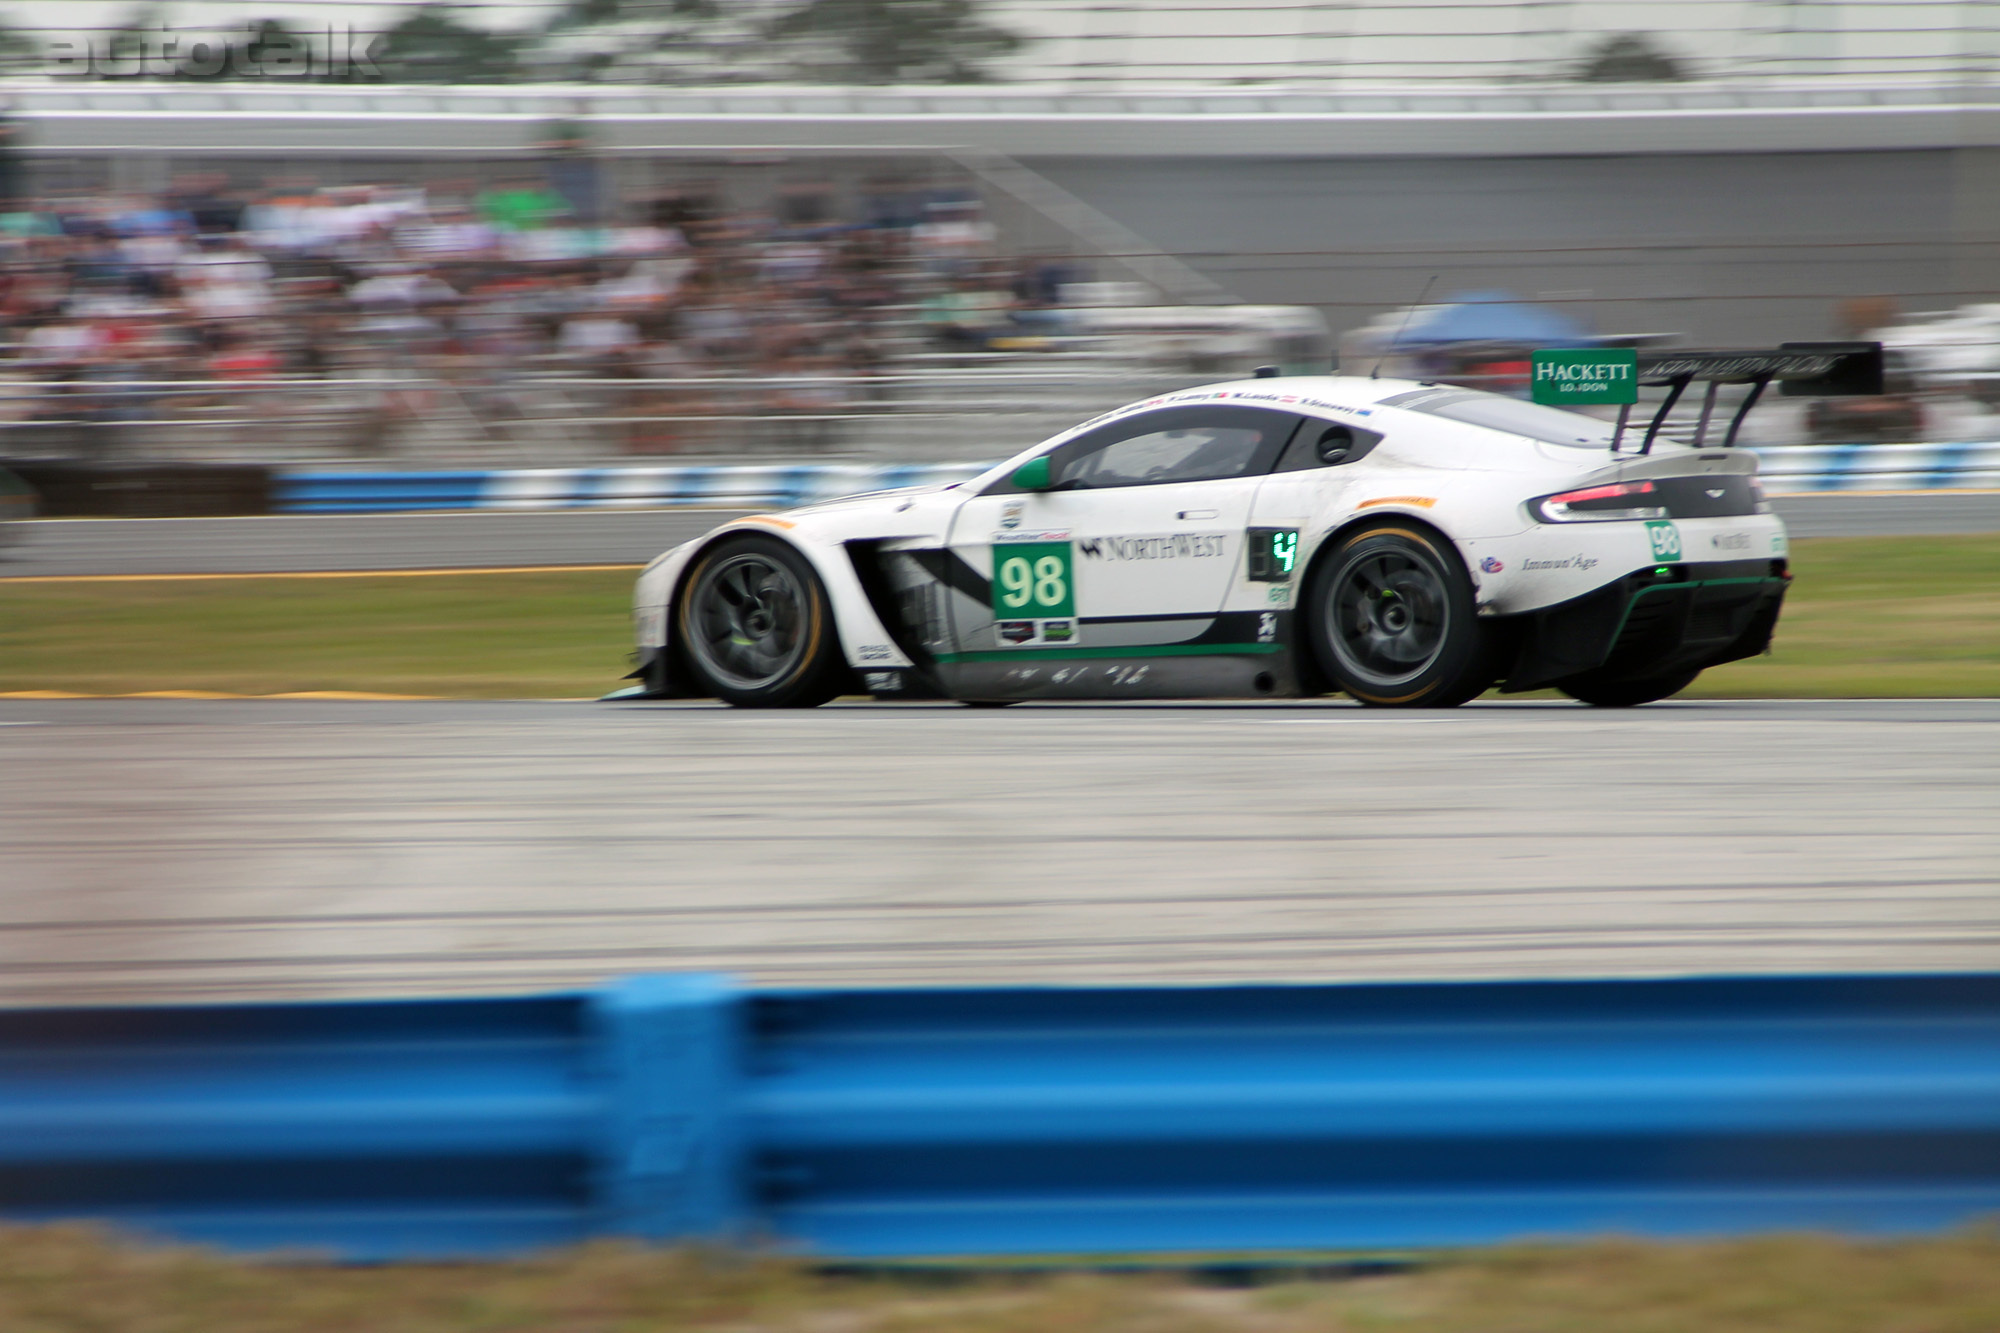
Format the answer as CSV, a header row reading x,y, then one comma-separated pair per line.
x,y
1173,546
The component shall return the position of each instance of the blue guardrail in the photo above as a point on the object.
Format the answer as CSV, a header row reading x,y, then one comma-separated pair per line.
x,y
1028,1121
1790,469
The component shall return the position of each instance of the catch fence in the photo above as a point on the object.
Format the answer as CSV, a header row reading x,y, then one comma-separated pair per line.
x,y
416,421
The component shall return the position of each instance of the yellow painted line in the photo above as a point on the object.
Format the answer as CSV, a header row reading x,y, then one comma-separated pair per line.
x,y
313,574
360,695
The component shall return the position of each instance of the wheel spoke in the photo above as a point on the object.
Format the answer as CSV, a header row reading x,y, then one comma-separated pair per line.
x,y
747,618
1387,613
734,585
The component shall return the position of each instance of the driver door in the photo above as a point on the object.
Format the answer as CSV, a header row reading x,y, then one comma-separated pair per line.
x,y
1134,545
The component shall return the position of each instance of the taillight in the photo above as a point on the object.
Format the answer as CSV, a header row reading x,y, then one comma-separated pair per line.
x,y
1598,504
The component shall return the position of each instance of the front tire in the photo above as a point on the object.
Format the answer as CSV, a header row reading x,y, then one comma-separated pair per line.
x,y
1625,693
756,626
1392,621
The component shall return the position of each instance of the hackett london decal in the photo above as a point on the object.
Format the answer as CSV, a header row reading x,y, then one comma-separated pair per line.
x,y
1572,379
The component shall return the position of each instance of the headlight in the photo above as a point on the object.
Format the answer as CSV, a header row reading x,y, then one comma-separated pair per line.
x,y
1617,502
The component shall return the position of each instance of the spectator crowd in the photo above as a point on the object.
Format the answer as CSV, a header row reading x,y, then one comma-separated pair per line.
x,y
106,298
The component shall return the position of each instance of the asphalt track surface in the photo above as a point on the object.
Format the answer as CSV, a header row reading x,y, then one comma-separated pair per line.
x,y
487,540
180,850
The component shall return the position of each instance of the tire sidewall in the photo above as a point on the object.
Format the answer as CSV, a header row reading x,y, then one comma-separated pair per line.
x,y
814,678
1456,673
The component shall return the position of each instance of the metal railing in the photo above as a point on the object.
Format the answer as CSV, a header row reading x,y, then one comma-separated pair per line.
x,y
566,420
869,1123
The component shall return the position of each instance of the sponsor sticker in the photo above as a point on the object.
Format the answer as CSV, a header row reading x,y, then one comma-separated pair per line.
x,y
1578,561
1170,546
1665,539
1032,535
873,652
1010,515
1023,633
1491,566
1280,594
882,682
1730,541
1598,375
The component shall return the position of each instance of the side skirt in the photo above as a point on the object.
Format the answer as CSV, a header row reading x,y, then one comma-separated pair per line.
x,y
1247,671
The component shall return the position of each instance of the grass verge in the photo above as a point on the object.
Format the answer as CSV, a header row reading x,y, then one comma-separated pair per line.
x,y
1880,617
1868,617
551,634
71,1280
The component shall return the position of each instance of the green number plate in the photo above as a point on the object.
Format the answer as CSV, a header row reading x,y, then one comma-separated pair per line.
x,y
1666,540
1032,580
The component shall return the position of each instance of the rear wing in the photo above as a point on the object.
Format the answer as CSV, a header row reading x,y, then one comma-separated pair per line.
x,y
1567,377
1801,369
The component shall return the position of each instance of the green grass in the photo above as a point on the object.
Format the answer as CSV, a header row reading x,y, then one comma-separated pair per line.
x,y
1880,617
69,1280
542,635
1868,617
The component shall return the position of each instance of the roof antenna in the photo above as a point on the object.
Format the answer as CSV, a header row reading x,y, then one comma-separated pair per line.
x,y
1408,315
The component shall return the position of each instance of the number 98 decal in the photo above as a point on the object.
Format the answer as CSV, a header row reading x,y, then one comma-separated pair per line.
x,y
1033,579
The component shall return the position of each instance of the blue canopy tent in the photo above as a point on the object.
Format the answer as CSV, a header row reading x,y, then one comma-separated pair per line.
x,y
1493,317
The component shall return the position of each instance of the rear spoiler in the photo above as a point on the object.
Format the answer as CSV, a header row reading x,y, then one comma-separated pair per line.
x,y
1801,369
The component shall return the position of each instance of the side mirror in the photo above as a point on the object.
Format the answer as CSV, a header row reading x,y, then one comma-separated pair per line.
x,y
1034,475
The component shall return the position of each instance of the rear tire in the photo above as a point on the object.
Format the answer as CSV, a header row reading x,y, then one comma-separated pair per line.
x,y
1626,693
756,626
1392,621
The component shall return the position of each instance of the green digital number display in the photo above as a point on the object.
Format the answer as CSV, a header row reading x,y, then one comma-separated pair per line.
x,y
1284,551
1274,553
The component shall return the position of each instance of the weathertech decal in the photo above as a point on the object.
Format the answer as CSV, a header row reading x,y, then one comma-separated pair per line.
x,y
1174,546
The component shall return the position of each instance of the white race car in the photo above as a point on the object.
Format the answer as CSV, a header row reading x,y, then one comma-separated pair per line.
x,y
1408,544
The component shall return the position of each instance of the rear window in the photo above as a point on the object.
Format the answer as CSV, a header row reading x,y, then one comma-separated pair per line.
x,y
1551,425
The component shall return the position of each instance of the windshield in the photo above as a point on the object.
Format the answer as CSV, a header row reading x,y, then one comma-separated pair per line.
x,y
1551,425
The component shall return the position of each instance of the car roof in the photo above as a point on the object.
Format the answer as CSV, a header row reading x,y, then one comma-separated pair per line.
x,y
1289,391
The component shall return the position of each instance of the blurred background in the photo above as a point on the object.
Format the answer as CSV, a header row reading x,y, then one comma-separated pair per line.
x,y
529,233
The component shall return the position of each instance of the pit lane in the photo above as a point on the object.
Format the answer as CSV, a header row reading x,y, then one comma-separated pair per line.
x,y
168,850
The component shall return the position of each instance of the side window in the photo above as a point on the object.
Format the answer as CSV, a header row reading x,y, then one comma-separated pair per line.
x,y
1171,445
1174,453
1325,444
